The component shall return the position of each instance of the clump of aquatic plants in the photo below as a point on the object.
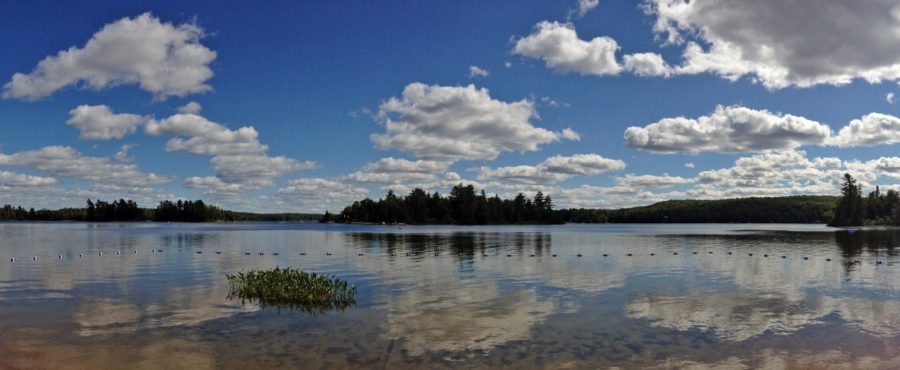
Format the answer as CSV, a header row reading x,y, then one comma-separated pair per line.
x,y
288,288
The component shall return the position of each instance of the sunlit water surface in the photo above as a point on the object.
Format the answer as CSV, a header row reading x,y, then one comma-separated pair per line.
x,y
453,297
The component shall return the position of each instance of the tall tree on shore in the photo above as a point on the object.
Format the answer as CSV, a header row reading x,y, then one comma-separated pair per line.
x,y
850,210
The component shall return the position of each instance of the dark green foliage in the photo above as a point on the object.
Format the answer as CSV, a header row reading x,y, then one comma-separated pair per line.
x,y
796,209
292,289
127,210
850,208
464,206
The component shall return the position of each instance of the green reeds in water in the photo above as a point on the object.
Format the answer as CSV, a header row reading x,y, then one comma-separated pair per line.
x,y
288,288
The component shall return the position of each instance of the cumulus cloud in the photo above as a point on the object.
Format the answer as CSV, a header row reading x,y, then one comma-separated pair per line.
x,y
552,170
447,123
651,181
779,173
570,134
162,58
689,165
647,65
190,108
392,170
205,137
871,129
66,162
319,195
98,122
238,157
254,170
781,44
12,179
889,98
559,46
475,71
730,129
585,6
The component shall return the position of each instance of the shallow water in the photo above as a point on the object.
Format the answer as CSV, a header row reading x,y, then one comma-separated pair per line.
x,y
482,302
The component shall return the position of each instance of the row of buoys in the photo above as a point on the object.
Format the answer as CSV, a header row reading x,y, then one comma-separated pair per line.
x,y
509,255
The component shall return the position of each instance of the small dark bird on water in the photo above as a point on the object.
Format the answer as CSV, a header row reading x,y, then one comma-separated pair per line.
x,y
218,252
13,259
436,253
710,252
629,254
783,256
407,254
828,260
60,256
805,258
159,250
359,254
262,254
604,255
302,253
765,255
729,252
877,263
246,253
531,255
327,253
554,255
652,254
695,252
675,254
199,252
579,254
275,254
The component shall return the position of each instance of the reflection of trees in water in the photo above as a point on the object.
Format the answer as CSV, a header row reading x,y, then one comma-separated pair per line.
x,y
873,240
188,240
464,244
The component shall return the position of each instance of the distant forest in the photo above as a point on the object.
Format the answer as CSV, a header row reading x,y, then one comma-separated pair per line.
x,y
463,206
127,210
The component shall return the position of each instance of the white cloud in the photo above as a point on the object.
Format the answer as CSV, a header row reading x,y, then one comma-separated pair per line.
x,y
585,6
651,181
552,170
12,179
689,165
475,71
871,129
63,161
780,44
448,123
781,173
238,158
162,58
253,170
319,195
397,170
647,65
122,153
889,98
205,137
98,122
570,134
190,108
558,45
729,129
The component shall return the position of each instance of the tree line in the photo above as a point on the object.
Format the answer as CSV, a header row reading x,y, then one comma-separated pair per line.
x,y
128,211
463,206
793,209
875,209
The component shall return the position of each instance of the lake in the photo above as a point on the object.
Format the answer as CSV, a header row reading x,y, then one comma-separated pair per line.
x,y
148,295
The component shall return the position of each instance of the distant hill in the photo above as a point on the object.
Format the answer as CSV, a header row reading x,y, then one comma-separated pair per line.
x,y
793,209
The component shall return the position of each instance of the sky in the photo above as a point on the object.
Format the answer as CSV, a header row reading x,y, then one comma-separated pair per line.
x,y
285,106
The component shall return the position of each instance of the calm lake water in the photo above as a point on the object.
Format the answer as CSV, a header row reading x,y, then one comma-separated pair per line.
x,y
464,297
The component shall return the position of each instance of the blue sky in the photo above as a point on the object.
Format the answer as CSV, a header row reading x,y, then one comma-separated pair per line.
x,y
307,106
